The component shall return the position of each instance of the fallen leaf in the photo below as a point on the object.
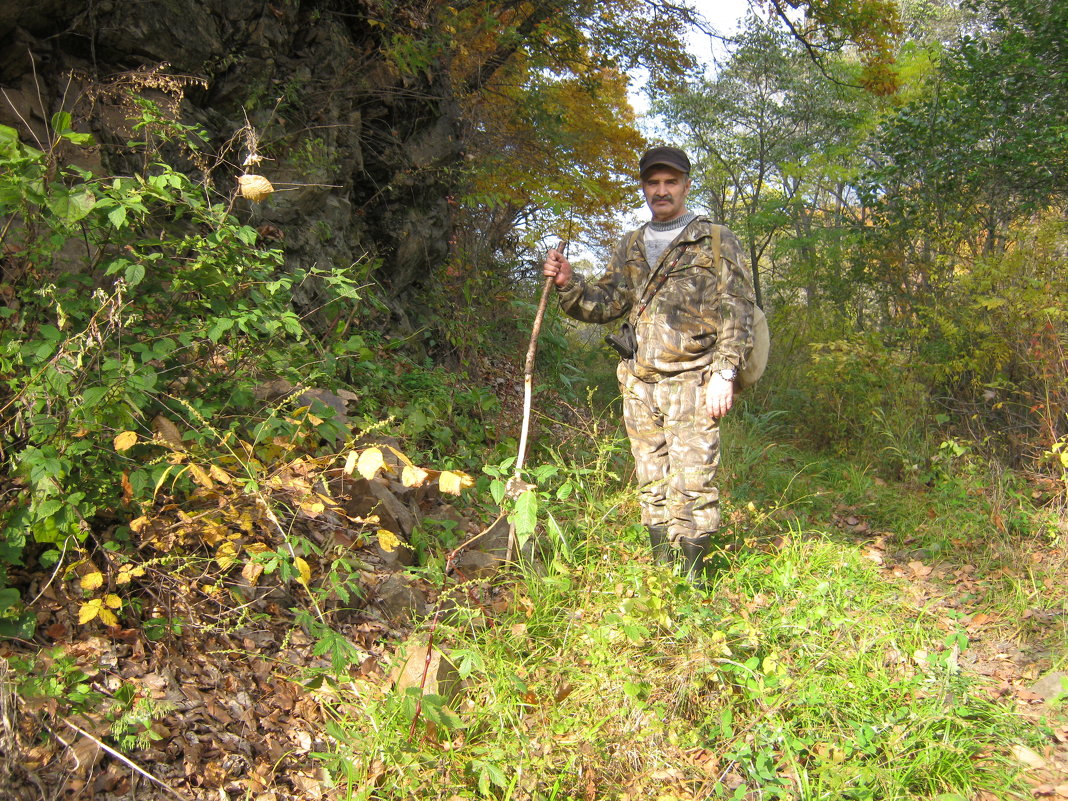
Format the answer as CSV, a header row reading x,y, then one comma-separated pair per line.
x,y
251,572
1027,757
387,540
226,554
920,569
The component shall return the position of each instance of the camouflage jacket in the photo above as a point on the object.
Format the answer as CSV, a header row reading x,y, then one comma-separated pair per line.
x,y
701,316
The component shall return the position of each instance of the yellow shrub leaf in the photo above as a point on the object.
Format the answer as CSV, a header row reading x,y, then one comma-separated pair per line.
x,y
257,548
453,482
200,475
226,554
112,601
401,456
92,581
128,572
387,540
311,507
304,570
370,462
89,610
350,462
107,617
219,474
413,476
125,440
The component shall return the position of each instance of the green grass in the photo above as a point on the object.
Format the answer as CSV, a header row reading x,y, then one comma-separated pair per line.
x,y
801,671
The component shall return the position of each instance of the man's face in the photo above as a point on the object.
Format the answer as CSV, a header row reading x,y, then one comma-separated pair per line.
x,y
665,191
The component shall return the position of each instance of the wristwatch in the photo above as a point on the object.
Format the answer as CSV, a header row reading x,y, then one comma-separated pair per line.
x,y
727,373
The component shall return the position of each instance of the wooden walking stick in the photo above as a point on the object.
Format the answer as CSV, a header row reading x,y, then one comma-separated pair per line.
x,y
516,486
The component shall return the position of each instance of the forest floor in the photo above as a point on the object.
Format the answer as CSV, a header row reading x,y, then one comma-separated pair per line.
x,y
244,694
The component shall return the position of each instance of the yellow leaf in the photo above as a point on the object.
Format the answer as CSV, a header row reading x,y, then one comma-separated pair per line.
x,y
89,610
200,475
92,581
226,554
312,508
350,463
453,482
254,187
413,476
257,548
127,572
401,456
219,474
371,461
107,617
387,540
304,570
125,440
112,601
139,524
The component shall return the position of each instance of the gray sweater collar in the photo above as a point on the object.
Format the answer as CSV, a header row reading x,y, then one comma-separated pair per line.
x,y
673,225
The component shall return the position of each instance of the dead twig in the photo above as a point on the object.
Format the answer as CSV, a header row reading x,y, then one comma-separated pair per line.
x,y
119,756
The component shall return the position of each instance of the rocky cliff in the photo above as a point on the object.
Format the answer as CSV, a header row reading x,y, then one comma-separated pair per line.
x,y
359,148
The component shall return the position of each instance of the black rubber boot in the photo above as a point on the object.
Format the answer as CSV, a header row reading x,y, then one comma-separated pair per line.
x,y
693,551
663,553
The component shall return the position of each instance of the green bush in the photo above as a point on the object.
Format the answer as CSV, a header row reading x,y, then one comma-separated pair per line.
x,y
863,398
126,298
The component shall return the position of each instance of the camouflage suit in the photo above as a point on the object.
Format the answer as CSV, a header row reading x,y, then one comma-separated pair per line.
x,y
697,322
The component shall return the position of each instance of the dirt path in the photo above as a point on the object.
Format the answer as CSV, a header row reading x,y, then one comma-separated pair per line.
x,y
1011,652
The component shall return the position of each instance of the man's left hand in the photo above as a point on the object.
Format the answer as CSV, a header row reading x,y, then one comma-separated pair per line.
x,y
720,396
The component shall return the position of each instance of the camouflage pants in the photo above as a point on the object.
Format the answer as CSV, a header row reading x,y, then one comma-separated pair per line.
x,y
676,451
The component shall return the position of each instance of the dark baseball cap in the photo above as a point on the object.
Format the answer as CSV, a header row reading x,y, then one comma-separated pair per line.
x,y
664,157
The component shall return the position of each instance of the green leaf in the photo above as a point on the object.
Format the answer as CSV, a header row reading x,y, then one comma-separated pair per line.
x,y
525,516
48,508
61,121
93,395
135,273
219,327
117,216
9,596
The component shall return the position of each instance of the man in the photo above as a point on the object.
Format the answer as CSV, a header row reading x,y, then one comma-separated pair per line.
x,y
683,284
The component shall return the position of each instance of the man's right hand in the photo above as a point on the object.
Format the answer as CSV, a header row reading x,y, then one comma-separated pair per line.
x,y
557,267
